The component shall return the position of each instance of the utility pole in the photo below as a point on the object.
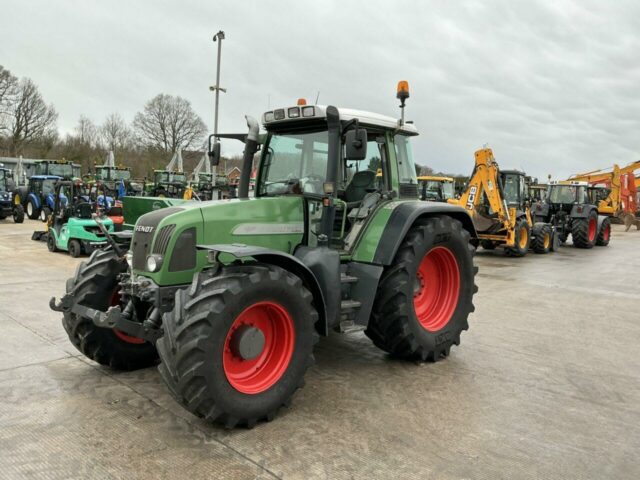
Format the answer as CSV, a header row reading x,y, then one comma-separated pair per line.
x,y
218,37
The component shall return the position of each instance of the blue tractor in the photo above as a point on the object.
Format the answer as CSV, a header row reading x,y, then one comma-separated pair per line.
x,y
38,197
7,205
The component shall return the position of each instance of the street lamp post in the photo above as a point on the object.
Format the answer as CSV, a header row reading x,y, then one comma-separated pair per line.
x,y
218,37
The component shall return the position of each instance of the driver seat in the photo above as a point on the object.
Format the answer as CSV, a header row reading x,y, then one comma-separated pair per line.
x,y
363,182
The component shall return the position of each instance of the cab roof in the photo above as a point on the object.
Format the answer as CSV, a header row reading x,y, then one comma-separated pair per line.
x,y
46,177
301,113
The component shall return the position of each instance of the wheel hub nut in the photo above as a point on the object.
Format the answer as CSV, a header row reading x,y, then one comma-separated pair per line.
x,y
247,342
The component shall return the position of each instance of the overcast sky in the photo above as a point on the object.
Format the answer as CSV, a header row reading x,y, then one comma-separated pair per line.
x,y
552,86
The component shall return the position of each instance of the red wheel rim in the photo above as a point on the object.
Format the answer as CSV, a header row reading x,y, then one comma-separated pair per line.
x,y
592,229
115,300
252,376
437,289
607,233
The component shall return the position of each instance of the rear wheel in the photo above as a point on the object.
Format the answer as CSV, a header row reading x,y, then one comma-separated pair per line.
x,y
18,213
425,296
604,234
522,239
32,210
542,241
584,230
237,345
95,285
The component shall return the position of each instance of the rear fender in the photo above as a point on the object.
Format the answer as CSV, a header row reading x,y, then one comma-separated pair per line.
x,y
287,262
581,211
387,229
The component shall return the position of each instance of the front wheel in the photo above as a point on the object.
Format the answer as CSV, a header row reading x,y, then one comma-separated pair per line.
x,y
604,233
32,210
425,296
584,231
44,214
18,213
237,345
542,241
95,285
522,239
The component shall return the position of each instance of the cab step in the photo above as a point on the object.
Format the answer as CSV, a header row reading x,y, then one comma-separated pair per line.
x,y
349,305
344,278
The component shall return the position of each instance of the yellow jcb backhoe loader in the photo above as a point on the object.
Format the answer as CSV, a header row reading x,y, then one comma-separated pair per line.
x,y
498,202
619,192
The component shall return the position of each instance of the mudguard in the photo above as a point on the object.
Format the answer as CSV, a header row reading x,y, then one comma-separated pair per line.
x,y
49,200
381,241
34,199
582,211
288,262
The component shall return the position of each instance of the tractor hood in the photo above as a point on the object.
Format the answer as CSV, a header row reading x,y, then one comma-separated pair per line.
x,y
172,234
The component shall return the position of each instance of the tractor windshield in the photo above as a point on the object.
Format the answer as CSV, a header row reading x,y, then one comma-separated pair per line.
x,y
122,174
294,163
58,169
48,186
562,193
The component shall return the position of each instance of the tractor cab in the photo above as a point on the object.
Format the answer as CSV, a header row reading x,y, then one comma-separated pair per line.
x,y
8,205
168,184
436,189
330,158
60,168
514,188
39,198
564,195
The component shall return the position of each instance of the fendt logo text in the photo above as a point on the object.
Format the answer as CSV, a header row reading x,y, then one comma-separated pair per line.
x,y
144,229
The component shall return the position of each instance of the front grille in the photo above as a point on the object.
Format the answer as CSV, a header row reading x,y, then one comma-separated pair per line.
x,y
409,190
142,240
162,239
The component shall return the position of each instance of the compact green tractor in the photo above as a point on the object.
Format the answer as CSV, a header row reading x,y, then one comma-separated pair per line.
x,y
71,225
232,295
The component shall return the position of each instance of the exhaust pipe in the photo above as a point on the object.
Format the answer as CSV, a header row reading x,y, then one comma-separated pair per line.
x,y
250,148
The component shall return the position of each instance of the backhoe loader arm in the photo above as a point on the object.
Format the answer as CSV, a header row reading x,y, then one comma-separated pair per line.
x,y
485,179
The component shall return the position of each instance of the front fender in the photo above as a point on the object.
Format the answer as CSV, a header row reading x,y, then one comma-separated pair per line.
x,y
287,262
34,199
392,221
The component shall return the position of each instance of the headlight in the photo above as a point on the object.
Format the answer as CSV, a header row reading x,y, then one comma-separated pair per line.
x,y
129,258
154,262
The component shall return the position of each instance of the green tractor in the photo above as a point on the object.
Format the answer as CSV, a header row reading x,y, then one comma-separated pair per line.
x,y
232,295
71,226
168,184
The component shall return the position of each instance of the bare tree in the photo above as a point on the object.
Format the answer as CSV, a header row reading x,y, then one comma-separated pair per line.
x,y
30,118
115,134
169,123
86,132
8,84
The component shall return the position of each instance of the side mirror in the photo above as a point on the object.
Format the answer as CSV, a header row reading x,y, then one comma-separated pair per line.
x,y
214,152
355,142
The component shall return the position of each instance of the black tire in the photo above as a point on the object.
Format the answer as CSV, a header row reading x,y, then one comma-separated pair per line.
x,y
604,233
488,244
584,230
93,286
32,211
44,214
542,238
522,239
195,345
75,248
51,243
18,213
395,326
